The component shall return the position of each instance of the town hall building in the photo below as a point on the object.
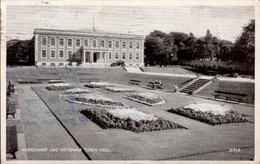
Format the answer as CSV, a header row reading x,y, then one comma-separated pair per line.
x,y
87,48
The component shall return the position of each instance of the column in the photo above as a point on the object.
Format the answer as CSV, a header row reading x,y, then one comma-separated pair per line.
x,y
91,56
104,60
84,57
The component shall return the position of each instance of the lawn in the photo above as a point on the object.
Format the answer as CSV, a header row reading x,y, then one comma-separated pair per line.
x,y
174,70
115,75
236,87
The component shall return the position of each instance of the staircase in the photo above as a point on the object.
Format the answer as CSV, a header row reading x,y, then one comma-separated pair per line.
x,y
185,83
195,86
133,69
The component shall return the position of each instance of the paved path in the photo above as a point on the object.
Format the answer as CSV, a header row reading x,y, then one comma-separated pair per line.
x,y
42,130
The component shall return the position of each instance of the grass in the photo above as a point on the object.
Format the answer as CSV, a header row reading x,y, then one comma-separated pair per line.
x,y
114,75
174,70
236,87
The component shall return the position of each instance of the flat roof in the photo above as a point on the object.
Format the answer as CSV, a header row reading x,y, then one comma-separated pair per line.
x,y
87,32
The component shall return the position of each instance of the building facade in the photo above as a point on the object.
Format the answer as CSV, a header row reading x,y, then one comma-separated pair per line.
x,y
87,48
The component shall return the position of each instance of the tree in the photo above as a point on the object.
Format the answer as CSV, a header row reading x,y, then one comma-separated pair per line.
x,y
160,48
224,51
243,50
20,52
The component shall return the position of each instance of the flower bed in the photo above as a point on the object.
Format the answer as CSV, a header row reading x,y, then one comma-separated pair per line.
x,y
98,84
146,98
20,81
209,113
94,100
75,92
118,90
60,86
128,119
55,81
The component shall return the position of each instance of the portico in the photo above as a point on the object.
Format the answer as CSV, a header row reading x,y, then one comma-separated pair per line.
x,y
90,56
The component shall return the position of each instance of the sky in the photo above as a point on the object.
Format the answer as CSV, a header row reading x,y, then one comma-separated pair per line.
x,y
223,22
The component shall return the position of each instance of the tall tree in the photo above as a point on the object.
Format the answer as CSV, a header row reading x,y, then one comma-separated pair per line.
x,y
244,47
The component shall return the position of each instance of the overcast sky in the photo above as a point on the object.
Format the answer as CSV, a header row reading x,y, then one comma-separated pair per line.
x,y
223,22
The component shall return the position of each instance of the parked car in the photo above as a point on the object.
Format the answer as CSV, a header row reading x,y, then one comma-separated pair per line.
x,y
118,63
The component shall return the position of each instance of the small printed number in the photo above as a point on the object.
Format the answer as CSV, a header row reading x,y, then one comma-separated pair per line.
x,y
235,150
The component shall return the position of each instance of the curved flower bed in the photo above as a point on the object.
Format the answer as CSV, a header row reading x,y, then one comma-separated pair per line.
x,y
132,114
118,89
209,113
98,84
94,100
75,92
60,86
146,98
20,81
107,119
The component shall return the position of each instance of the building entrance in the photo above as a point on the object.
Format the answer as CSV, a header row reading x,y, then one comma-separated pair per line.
x,y
95,57
87,57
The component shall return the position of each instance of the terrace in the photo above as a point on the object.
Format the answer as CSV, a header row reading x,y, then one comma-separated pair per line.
x,y
123,131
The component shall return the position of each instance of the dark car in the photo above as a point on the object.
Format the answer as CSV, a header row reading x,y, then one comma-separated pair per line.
x,y
118,63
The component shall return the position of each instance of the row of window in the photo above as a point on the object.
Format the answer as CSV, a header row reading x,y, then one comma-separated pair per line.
x,y
62,64
117,55
123,56
53,54
94,44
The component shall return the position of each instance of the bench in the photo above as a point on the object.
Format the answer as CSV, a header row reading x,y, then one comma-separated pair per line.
x,y
11,108
134,82
230,96
154,85
11,140
88,80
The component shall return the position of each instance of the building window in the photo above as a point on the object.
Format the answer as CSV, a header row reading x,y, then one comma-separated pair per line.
x,y
117,44
130,56
137,56
77,42
94,44
85,42
124,45
137,45
116,55
53,55
44,41
52,64
130,45
69,42
109,44
110,55
61,54
61,42
102,43
52,41
44,54
60,64
69,55
123,56
44,64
